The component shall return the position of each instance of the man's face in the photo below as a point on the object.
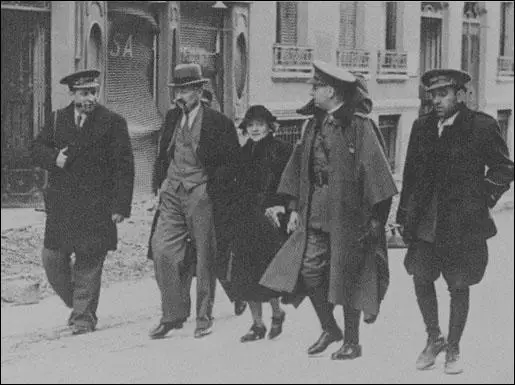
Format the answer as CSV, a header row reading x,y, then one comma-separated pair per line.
x,y
322,95
187,97
445,101
85,99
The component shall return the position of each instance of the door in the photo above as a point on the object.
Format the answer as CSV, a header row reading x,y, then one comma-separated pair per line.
x,y
25,99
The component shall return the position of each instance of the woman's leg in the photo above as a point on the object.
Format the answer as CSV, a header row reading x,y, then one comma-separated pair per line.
x,y
277,312
256,309
278,316
257,330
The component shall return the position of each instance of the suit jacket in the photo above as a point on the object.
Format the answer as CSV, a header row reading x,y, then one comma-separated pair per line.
x,y
97,180
218,150
466,167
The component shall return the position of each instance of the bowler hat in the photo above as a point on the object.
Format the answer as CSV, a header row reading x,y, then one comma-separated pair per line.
x,y
328,74
257,112
82,79
438,78
188,74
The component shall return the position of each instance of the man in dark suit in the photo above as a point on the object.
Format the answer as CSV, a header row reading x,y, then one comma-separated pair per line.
x,y
195,174
444,206
86,149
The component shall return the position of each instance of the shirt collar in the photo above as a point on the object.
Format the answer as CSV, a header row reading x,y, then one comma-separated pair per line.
x,y
449,121
192,114
333,110
80,117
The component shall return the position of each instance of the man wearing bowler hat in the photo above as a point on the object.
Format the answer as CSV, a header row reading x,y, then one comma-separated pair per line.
x,y
343,186
86,149
195,174
444,206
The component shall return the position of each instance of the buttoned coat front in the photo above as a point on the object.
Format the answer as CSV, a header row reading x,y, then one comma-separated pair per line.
x,y
96,182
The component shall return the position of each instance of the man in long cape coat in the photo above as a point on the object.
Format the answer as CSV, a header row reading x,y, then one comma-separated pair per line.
x,y
342,258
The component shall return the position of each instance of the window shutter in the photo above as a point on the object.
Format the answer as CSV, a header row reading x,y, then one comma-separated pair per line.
x,y
391,25
348,11
287,22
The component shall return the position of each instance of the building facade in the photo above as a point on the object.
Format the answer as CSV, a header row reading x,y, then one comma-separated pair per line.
x,y
391,44
253,52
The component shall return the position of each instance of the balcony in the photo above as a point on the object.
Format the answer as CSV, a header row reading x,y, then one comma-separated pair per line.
x,y
353,60
392,62
292,62
505,66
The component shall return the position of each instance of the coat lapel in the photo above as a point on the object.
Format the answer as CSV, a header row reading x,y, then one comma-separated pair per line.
x,y
94,128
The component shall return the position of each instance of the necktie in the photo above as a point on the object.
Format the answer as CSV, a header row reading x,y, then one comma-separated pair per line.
x,y
80,120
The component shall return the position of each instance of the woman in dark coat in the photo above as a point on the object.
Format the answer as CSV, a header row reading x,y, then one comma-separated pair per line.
x,y
256,237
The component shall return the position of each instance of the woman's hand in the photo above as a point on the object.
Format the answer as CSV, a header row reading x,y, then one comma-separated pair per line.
x,y
293,223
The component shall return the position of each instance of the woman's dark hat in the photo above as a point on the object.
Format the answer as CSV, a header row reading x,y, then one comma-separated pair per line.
x,y
187,75
257,112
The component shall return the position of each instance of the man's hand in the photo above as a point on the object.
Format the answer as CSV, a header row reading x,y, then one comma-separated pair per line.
x,y
117,218
61,158
293,223
406,235
273,214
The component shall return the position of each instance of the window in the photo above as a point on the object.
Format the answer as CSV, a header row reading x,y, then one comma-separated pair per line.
x,y
391,25
287,15
348,14
503,117
388,124
506,35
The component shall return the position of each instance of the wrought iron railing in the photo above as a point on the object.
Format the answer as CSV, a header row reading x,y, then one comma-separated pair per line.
x,y
392,62
290,130
505,66
207,60
293,59
354,60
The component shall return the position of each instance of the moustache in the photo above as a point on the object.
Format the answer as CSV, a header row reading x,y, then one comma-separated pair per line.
x,y
85,106
179,103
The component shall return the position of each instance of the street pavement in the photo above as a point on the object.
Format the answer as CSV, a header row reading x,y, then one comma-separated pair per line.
x,y
38,348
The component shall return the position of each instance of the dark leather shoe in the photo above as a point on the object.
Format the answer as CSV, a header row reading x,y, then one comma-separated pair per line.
x,y
434,346
204,330
453,364
347,352
256,333
161,330
326,339
277,326
81,329
239,307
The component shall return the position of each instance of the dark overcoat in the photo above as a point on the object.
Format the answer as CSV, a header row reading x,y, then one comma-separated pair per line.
x,y
255,239
218,151
359,178
471,164
96,182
